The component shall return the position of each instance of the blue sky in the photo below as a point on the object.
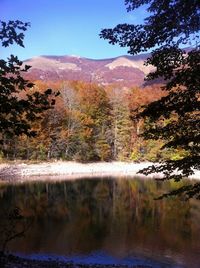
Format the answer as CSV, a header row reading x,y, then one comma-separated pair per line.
x,y
67,27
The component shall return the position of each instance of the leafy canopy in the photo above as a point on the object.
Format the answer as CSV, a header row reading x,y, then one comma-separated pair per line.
x,y
175,118
19,106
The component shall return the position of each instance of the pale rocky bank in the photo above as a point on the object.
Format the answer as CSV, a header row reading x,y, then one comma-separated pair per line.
x,y
72,170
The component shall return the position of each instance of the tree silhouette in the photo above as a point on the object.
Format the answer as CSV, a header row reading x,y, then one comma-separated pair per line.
x,y
13,225
175,118
20,105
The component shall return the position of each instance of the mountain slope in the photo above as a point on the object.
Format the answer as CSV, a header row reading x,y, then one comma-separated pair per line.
x,y
124,70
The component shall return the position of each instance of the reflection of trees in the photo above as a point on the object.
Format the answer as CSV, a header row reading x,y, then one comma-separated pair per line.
x,y
85,215
13,225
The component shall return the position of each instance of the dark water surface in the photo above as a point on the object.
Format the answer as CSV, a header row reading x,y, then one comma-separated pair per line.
x,y
106,221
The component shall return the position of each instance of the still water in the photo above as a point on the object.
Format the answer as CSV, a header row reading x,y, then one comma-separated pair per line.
x,y
106,221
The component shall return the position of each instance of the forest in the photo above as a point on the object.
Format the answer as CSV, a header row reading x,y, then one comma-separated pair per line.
x,y
90,123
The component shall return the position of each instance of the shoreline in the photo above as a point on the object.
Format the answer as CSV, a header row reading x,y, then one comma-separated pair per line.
x,y
64,170
11,261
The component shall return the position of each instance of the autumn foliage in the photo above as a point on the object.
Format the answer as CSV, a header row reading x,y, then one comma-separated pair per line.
x,y
89,123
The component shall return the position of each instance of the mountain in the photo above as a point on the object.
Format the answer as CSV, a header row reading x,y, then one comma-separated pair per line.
x,y
123,70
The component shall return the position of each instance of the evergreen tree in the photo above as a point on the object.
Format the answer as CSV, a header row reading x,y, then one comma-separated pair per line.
x,y
121,126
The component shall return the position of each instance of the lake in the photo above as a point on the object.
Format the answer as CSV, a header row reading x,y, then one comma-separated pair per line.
x,y
105,221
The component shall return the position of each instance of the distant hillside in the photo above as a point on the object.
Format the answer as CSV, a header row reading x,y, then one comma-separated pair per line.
x,y
123,70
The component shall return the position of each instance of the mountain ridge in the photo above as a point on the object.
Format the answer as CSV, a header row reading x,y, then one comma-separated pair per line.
x,y
124,70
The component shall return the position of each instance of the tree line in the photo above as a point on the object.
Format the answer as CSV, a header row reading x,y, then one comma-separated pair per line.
x,y
89,123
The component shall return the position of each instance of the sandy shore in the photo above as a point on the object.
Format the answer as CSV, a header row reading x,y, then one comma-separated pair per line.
x,y
72,170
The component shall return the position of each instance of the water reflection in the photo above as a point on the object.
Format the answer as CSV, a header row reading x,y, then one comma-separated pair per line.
x,y
116,216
